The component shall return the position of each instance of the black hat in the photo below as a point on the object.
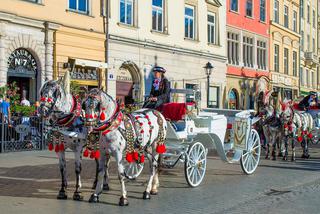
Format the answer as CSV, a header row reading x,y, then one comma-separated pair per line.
x,y
159,69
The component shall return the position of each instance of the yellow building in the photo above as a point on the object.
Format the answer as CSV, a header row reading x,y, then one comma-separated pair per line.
x,y
40,39
309,56
284,47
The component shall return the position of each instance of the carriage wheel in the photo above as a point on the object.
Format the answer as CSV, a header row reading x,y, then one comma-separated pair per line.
x,y
195,164
132,170
251,157
315,137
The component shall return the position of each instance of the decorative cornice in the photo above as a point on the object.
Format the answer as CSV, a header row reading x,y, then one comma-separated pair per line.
x,y
175,49
214,2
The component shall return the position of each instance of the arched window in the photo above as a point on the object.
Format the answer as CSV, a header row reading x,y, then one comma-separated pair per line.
x,y
233,99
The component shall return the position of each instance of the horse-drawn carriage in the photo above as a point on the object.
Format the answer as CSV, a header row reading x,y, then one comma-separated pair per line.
x,y
191,134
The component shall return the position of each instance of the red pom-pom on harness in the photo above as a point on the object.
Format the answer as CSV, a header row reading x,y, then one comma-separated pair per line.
x,y
61,147
129,157
86,153
135,156
97,154
56,148
102,116
50,146
92,154
300,139
310,135
286,126
161,149
142,158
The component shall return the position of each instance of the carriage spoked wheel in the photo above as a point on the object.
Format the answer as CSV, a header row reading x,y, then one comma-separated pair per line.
x,y
132,170
250,158
315,136
195,164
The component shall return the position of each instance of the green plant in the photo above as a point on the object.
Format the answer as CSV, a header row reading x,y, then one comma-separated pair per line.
x,y
10,90
23,110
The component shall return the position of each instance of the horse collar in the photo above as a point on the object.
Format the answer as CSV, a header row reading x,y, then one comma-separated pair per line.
x,y
74,112
111,124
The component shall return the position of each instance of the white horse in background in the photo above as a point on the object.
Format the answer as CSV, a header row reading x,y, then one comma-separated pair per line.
x,y
139,134
297,127
59,106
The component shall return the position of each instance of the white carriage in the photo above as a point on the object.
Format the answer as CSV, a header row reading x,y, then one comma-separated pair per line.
x,y
190,137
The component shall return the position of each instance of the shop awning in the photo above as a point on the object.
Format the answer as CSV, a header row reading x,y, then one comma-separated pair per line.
x,y
304,93
90,63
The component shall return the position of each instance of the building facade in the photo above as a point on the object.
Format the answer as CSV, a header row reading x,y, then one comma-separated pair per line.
x,y
181,36
308,46
247,50
40,39
284,47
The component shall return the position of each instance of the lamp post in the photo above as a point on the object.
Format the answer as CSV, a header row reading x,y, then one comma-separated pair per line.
x,y
208,69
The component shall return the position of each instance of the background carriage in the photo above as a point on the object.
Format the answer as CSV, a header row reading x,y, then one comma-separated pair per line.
x,y
191,134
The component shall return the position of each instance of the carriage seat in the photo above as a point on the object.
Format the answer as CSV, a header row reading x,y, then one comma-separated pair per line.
x,y
296,107
174,111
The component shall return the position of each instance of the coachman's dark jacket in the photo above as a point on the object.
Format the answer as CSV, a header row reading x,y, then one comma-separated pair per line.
x,y
162,95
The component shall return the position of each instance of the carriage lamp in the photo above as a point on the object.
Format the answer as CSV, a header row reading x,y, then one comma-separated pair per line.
x,y
208,69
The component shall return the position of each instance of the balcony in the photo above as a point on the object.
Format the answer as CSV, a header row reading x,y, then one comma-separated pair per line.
x,y
311,58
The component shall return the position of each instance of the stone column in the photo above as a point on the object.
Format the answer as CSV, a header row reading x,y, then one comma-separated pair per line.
x,y
48,42
3,62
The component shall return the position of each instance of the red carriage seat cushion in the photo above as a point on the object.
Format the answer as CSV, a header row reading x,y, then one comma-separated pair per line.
x,y
296,107
173,111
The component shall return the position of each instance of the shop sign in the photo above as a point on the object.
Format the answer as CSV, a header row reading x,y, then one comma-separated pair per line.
x,y
124,75
22,63
84,73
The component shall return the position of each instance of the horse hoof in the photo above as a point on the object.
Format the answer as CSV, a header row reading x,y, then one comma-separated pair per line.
x,y
154,192
267,157
305,156
106,187
94,199
123,201
62,195
274,158
285,158
77,196
293,159
146,195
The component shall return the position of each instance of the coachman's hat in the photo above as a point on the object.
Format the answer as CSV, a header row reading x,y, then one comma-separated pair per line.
x,y
159,69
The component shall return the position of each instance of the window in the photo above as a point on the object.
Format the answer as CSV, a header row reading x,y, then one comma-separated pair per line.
x,y
294,63
126,12
234,5
276,58
313,45
276,11
249,8
247,51
189,97
213,97
294,24
212,28
233,48
261,55
308,13
157,15
302,8
307,78
314,19
308,42
263,10
286,60
286,17
301,76
189,22
81,6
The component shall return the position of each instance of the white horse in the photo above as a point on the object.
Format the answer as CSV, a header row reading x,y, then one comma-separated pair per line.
x,y
59,106
297,127
139,134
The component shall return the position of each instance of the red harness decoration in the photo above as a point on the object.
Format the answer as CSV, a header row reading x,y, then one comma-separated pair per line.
x,y
75,111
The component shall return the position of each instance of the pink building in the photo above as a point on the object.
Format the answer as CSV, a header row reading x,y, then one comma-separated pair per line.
x,y
247,50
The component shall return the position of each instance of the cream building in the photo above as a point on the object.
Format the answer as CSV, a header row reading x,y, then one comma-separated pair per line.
x,y
284,47
39,37
308,42
180,35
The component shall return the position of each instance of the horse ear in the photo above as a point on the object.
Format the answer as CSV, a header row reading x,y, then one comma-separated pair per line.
x,y
66,82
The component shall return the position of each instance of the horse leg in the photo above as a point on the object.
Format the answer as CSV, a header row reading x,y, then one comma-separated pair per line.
x,y
153,167
123,199
274,147
268,151
293,146
155,182
94,198
307,149
97,172
78,157
63,171
106,174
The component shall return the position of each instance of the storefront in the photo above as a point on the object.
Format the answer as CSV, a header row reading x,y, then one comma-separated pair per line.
x,y
287,86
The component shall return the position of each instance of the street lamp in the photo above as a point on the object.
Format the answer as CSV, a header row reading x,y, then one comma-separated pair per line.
x,y
208,69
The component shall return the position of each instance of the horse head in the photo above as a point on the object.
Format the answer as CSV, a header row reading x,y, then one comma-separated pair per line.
x,y
52,94
286,112
99,108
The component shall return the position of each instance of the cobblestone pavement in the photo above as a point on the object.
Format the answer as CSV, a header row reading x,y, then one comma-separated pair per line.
x,y
29,182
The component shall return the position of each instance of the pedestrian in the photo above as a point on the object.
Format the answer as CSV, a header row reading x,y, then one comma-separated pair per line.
x,y
160,90
25,102
5,110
